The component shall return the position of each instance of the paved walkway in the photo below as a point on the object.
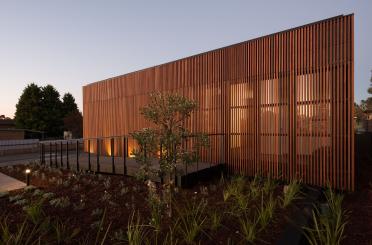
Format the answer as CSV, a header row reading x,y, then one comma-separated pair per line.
x,y
8,183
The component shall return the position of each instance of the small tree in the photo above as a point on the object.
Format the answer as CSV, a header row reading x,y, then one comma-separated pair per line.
x,y
147,142
168,113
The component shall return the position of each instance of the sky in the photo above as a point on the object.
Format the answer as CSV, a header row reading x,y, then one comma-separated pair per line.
x,y
72,43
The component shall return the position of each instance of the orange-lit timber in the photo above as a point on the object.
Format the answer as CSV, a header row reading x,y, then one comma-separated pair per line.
x,y
284,102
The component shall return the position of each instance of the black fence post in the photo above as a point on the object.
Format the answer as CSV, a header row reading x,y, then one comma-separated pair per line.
x,y
56,154
40,152
50,154
112,155
89,166
61,149
98,167
160,158
125,154
67,158
77,156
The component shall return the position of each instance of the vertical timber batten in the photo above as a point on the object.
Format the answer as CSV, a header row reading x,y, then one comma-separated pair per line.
x,y
283,103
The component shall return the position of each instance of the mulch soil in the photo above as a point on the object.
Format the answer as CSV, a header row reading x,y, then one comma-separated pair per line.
x,y
359,205
90,189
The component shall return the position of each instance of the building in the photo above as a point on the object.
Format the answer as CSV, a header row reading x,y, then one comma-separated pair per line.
x,y
283,103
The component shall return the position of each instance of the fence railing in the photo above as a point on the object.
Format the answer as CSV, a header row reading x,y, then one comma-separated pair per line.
x,y
113,154
9,147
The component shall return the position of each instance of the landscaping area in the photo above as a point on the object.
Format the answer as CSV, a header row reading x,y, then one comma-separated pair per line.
x,y
62,206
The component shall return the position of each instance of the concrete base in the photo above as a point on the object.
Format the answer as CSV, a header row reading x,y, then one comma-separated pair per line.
x,y
9,184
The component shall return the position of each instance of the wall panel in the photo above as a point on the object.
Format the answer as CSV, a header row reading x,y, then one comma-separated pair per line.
x,y
283,102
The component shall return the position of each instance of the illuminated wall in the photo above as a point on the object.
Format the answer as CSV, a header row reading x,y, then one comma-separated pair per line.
x,y
283,103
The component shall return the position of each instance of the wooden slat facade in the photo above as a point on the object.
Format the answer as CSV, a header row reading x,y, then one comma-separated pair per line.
x,y
284,102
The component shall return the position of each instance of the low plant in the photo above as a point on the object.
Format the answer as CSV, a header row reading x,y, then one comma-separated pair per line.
x,y
291,192
124,190
61,202
100,236
248,228
106,197
254,187
191,220
119,236
48,195
76,188
23,234
97,212
107,183
62,233
269,185
328,227
35,212
215,220
135,231
266,212
38,192
21,202
15,198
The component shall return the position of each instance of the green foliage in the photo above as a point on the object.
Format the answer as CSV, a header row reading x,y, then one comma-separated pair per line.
x,y
328,227
168,113
235,190
248,228
23,234
191,220
28,109
156,204
35,212
60,202
40,108
62,233
68,104
266,212
291,192
147,142
51,112
135,231
215,220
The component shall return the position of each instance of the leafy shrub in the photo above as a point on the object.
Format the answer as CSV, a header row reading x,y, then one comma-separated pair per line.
x,y
135,230
248,228
215,220
291,192
191,221
266,212
328,227
61,202
35,212
62,233
48,195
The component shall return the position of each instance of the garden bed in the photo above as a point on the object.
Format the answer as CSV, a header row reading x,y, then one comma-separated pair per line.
x,y
84,205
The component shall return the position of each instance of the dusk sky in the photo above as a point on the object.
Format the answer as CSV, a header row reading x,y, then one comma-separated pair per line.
x,y
72,43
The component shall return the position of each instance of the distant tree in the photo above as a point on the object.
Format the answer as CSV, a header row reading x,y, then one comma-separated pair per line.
x,y
40,108
74,122
28,109
3,117
68,104
367,104
51,112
